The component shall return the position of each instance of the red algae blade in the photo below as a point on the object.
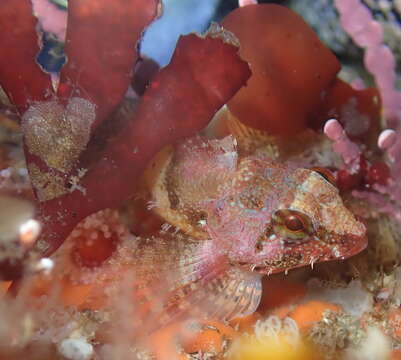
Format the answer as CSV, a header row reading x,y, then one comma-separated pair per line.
x,y
291,69
101,49
20,75
202,76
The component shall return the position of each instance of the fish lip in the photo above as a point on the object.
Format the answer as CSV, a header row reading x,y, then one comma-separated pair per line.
x,y
361,243
263,268
260,268
254,268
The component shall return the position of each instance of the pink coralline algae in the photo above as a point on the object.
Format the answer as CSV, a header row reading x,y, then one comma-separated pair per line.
x,y
342,145
386,139
246,2
358,21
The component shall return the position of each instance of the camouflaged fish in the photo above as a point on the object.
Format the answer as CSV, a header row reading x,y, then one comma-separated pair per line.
x,y
243,216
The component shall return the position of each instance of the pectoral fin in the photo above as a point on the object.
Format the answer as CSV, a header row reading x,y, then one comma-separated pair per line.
x,y
177,278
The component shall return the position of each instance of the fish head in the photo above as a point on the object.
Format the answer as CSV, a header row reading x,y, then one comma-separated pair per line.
x,y
310,224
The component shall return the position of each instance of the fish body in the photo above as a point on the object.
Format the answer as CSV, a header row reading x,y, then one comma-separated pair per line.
x,y
231,218
247,215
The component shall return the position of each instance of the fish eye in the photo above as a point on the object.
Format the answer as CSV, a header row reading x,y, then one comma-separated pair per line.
x,y
292,224
326,174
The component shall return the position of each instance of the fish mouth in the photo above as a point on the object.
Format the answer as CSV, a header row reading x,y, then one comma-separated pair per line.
x,y
254,268
351,246
360,243
261,268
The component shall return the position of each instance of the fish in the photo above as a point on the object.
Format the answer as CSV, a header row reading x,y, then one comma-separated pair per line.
x,y
238,217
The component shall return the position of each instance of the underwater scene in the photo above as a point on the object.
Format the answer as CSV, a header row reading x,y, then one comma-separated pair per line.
x,y
200,180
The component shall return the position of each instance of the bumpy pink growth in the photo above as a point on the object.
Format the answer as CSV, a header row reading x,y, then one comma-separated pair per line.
x,y
380,62
247,2
358,21
379,202
386,139
333,129
342,145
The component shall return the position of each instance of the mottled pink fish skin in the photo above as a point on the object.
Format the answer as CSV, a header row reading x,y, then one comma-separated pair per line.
x,y
240,194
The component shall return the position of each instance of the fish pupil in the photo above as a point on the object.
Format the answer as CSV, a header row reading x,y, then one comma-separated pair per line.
x,y
293,223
